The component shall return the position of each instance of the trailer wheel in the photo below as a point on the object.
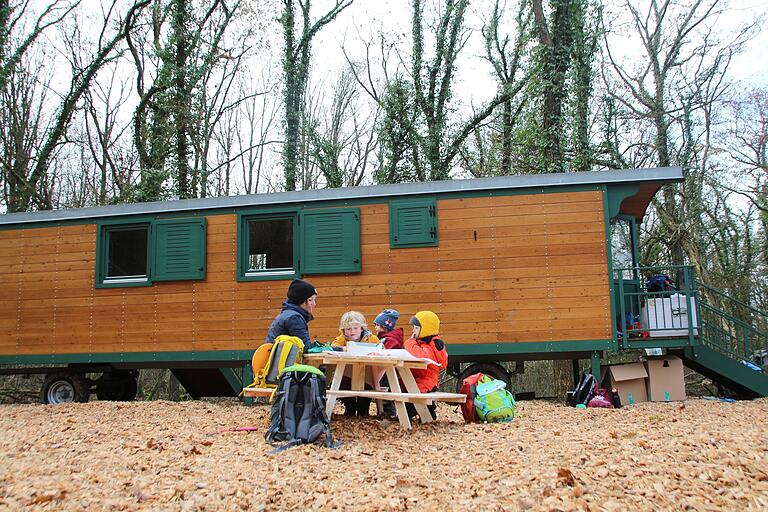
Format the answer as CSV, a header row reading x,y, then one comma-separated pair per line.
x,y
117,386
63,387
491,369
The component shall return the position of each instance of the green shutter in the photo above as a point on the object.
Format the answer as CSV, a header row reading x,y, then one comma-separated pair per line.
x,y
179,249
330,241
413,223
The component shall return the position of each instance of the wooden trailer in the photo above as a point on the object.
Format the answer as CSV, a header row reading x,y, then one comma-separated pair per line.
x,y
518,268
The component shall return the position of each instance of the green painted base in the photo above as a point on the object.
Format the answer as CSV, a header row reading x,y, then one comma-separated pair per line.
x,y
131,357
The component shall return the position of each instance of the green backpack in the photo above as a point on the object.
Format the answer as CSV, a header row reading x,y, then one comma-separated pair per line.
x,y
493,403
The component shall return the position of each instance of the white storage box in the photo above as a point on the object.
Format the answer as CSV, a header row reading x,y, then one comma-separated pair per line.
x,y
668,316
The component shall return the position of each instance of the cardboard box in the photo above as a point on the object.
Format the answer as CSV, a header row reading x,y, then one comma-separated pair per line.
x,y
628,380
666,382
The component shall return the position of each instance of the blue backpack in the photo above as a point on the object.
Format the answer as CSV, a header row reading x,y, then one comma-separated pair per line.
x,y
493,403
659,283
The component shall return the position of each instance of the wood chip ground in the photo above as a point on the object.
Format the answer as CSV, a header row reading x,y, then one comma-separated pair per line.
x,y
694,455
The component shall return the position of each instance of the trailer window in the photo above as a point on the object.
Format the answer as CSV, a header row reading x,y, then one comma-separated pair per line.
x,y
127,250
270,246
141,253
287,244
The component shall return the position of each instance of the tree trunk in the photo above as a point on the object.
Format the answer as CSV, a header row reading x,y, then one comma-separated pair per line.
x,y
182,103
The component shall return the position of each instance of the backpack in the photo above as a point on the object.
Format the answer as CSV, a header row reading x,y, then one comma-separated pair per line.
x,y
286,351
298,408
659,283
601,399
584,391
468,387
493,403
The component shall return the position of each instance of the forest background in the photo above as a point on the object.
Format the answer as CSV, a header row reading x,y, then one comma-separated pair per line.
x,y
121,101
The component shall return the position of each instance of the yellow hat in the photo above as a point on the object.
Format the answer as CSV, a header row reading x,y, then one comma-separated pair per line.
x,y
429,323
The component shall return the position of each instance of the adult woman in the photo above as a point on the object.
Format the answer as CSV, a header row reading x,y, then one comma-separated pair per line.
x,y
296,313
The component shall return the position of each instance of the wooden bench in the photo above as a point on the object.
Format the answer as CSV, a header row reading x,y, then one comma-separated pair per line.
x,y
258,392
427,398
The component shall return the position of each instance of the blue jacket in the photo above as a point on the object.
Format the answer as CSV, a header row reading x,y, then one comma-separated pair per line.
x,y
292,320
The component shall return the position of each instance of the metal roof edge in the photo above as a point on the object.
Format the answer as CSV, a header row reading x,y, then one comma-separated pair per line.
x,y
658,174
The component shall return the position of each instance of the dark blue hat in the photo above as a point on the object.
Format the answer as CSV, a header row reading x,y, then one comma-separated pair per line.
x,y
387,319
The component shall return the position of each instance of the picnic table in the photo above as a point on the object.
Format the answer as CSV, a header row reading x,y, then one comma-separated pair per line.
x,y
397,368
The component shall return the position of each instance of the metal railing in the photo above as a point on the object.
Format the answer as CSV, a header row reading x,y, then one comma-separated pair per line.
x,y
670,311
690,311
741,337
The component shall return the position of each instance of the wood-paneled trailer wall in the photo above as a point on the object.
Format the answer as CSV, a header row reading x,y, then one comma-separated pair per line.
x,y
520,268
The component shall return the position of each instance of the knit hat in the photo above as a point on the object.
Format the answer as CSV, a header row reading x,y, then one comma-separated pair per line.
x,y
387,319
429,323
299,291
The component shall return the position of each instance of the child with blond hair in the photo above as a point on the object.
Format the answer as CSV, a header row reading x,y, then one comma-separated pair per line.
x,y
353,327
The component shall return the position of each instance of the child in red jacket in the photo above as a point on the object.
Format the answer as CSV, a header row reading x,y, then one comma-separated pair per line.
x,y
385,322
425,342
392,337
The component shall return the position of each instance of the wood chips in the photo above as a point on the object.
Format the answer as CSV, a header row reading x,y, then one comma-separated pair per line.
x,y
699,455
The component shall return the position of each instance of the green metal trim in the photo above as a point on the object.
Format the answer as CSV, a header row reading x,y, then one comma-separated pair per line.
x,y
101,260
428,238
617,194
247,380
595,360
638,343
233,380
538,347
243,241
729,368
256,210
130,357
609,256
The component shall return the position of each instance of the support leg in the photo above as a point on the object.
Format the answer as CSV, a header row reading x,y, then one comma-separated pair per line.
x,y
330,402
412,387
394,386
247,379
596,365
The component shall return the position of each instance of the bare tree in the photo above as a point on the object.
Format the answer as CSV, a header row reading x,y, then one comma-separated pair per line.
x,y
297,52
34,185
512,77
14,46
746,141
344,141
653,89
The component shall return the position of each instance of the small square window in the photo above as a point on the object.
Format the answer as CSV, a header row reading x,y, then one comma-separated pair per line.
x,y
270,247
127,254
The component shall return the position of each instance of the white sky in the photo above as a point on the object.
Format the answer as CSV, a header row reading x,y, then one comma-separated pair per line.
x,y
365,18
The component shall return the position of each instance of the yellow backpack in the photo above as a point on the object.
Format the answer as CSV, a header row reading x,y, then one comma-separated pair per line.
x,y
285,351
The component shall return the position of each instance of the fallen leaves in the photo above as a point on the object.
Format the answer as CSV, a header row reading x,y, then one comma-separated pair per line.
x,y
184,456
565,477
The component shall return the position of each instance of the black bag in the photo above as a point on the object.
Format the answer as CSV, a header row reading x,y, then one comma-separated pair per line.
x,y
298,409
584,392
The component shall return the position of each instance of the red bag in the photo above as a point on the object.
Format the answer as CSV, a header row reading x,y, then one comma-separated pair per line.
x,y
601,399
468,388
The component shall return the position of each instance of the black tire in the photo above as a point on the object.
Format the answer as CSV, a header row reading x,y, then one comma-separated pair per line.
x,y
491,369
64,387
117,386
